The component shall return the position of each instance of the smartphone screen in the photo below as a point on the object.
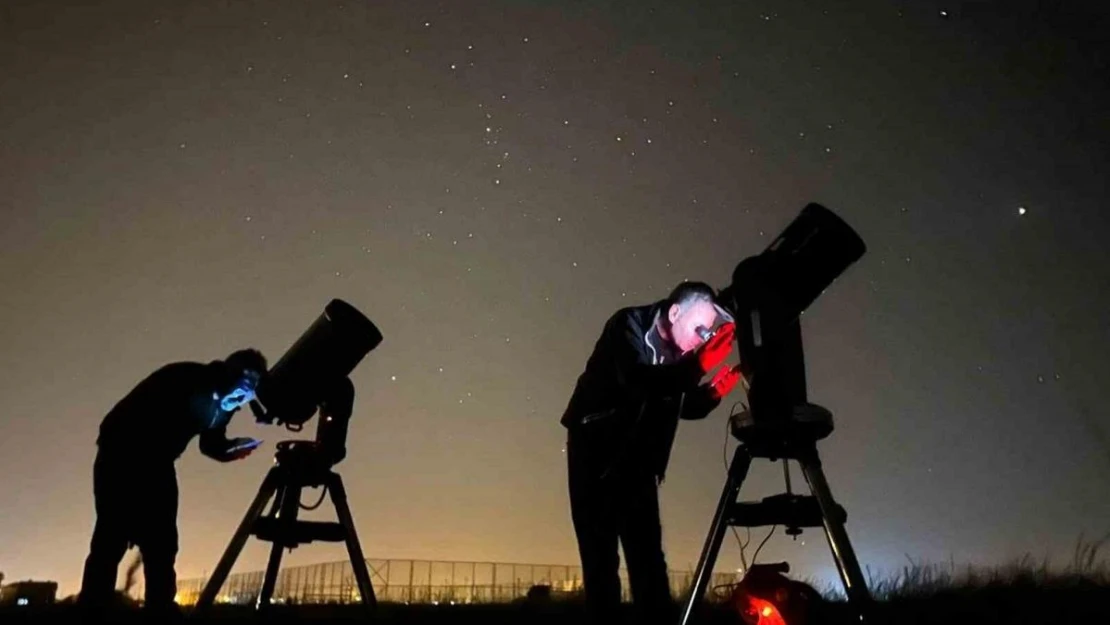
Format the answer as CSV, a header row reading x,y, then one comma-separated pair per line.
x,y
247,445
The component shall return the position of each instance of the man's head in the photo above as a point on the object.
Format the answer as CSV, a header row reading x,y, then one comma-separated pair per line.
x,y
690,305
244,368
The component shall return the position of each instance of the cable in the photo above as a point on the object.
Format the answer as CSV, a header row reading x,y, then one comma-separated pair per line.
x,y
743,545
724,459
323,492
765,539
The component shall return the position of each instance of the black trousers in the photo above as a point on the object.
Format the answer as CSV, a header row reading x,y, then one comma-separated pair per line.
x,y
611,504
136,504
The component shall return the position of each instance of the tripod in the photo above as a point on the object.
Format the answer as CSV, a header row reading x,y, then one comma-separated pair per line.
x,y
791,439
299,464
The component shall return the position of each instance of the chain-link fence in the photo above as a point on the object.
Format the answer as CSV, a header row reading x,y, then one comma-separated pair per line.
x,y
419,581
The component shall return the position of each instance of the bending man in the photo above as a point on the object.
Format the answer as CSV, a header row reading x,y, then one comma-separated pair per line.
x,y
134,479
643,376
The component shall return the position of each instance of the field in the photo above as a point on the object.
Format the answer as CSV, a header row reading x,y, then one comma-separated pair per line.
x,y
1025,591
1073,602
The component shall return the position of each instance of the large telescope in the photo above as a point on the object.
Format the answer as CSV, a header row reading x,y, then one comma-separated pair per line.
x,y
311,376
768,294
325,353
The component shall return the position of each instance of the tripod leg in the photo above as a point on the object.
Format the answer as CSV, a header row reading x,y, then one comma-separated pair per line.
x,y
846,564
286,521
737,471
238,540
354,549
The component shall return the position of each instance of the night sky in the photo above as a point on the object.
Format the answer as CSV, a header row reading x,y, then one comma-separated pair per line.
x,y
488,182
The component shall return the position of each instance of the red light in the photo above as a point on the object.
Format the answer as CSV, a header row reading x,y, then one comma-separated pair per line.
x,y
767,597
766,612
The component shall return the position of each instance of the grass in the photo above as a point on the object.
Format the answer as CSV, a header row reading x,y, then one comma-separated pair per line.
x,y
920,579
1024,591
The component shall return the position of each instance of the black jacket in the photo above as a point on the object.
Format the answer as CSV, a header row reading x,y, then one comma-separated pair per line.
x,y
633,392
156,421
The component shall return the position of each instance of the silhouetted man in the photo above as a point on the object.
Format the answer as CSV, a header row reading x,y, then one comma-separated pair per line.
x,y
643,376
134,481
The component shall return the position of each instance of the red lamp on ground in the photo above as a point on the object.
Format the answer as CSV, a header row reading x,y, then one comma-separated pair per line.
x,y
767,597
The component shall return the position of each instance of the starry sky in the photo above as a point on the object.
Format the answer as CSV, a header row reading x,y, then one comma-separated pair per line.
x,y
489,181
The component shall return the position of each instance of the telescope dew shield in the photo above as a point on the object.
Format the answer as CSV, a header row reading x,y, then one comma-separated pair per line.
x,y
769,292
805,259
328,350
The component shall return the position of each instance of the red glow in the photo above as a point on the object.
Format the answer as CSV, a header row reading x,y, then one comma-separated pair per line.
x,y
724,381
765,612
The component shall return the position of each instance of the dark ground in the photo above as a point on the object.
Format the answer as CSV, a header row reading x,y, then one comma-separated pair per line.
x,y
551,614
1077,604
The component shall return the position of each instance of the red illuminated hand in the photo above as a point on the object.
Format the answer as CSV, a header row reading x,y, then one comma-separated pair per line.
x,y
716,349
724,381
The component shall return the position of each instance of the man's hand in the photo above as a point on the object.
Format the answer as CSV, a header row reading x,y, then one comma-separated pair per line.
x,y
716,349
724,381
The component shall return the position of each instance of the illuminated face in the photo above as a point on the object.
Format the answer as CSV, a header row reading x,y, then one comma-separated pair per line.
x,y
235,399
242,394
685,321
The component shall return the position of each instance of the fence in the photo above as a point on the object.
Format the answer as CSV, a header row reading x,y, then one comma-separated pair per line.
x,y
417,581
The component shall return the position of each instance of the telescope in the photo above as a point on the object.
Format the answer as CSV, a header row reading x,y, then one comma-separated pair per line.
x,y
311,377
768,294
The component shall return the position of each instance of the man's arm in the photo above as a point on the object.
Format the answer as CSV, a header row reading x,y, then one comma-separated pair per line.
x,y
637,377
698,403
215,444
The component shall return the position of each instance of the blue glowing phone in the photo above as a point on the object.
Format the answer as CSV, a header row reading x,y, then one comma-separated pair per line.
x,y
251,444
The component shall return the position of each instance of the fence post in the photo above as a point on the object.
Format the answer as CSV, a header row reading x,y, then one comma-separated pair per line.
x,y
385,592
412,569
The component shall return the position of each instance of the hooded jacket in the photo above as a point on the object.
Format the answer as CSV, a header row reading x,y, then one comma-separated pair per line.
x,y
157,420
634,389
